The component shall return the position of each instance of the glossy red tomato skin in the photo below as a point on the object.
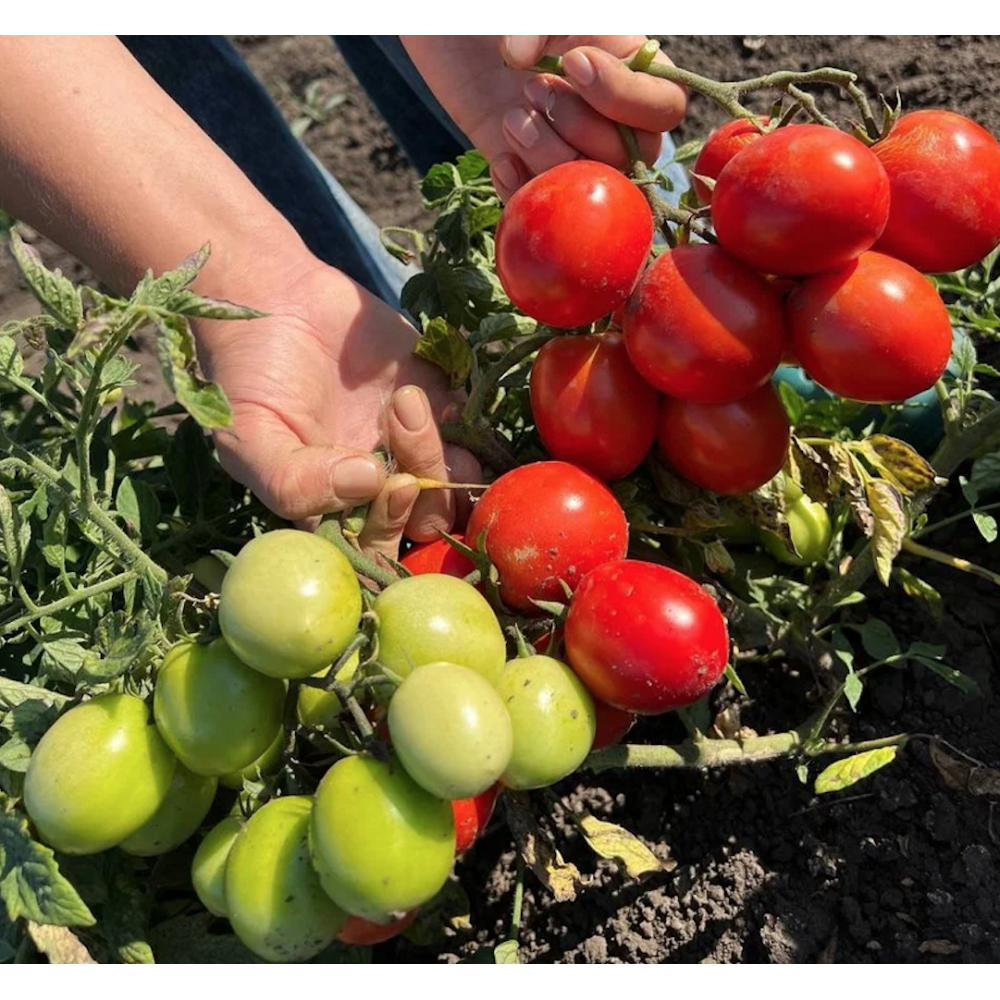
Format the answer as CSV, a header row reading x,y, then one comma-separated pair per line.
x,y
438,557
546,522
361,932
591,407
801,200
612,725
571,243
728,448
701,325
722,145
645,638
471,817
944,174
875,330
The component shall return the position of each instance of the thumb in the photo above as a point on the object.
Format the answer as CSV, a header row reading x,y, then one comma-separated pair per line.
x,y
387,516
522,51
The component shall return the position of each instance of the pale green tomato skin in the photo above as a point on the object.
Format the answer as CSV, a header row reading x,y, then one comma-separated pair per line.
x,y
209,572
99,774
450,730
380,843
811,530
273,896
318,708
265,764
208,869
216,714
553,718
290,603
433,618
178,818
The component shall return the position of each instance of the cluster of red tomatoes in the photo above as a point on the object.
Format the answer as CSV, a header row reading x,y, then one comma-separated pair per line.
x,y
821,241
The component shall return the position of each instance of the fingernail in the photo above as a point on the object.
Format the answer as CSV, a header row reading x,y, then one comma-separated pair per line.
x,y
522,48
521,127
539,92
402,499
579,68
505,172
411,408
356,478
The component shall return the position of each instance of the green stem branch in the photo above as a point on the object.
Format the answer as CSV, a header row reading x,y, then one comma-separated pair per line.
x,y
330,529
954,562
80,595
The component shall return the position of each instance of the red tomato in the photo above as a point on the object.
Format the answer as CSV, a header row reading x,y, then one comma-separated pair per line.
x,y
438,557
543,642
875,330
645,638
547,522
700,325
571,243
471,817
727,448
801,199
358,931
944,175
722,145
612,725
590,405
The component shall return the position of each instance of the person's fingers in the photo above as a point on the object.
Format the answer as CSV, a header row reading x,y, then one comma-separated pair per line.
x,y
611,88
463,467
387,516
509,173
415,443
522,51
534,140
294,480
577,123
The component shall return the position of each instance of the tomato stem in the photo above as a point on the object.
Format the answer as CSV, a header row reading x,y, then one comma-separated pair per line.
x,y
330,529
955,562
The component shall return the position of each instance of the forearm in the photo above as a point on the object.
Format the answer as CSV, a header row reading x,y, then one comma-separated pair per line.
x,y
95,155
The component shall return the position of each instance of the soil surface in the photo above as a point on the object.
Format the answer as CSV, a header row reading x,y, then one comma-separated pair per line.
x,y
901,868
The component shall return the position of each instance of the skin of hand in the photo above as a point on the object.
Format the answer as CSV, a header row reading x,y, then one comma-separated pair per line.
x,y
87,156
525,123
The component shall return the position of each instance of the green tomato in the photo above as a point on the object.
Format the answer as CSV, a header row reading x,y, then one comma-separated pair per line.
x,y
178,818
273,896
267,763
323,708
811,531
208,869
290,603
216,713
553,718
209,571
98,775
435,618
450,730
380,843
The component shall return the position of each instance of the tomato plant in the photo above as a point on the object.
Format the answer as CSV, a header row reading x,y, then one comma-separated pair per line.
x,y
727,448
801,200
702,326
187,802
472,816
875,330
572,242
943,171
720,147
576,382
544,524
645,638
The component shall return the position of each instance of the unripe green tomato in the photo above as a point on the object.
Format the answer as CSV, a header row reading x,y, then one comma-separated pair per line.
x,y
215,713
435,618
290,603
273,896
178,818
266,763
208,869
450,730
811,530
381,844
99,773
209,572
322,708
553,717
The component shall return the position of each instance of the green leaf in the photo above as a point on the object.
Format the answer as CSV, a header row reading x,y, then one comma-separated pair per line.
x,y
188,303
984,369
855,597
189,466
56,293
157,292
931,657
452,228
15,755
438,183
877,638
444,346
734,679
30,881
926,649
197,940
795,405
886,505
506,953
504,326
125,642
717,558
54,535
842,774
853,689
125,917
688,151
472,165
608,840
64,659
985,476
483,217
205,401
11,363
138,504
986,524
913,586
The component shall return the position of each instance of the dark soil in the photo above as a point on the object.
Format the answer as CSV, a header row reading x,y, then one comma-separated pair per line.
x,y
901,868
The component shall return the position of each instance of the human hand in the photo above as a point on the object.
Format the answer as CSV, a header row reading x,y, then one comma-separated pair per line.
x,y
525,123
313,390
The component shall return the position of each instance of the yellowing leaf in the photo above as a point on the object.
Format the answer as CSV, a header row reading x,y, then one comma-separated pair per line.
x,y
615,843
561,878
901,463
890,525
59,944
843,773
442,345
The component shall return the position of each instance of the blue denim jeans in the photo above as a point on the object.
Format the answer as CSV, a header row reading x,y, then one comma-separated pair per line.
x,y
208,78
